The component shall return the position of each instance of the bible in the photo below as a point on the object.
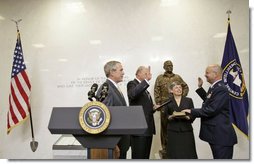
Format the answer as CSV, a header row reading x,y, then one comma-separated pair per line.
x,y
178,115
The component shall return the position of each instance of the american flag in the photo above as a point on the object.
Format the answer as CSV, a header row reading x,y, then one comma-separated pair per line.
x,y
20,90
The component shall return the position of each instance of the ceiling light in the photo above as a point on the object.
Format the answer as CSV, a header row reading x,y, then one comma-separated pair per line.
x,y
220,35
157,38
38,45
75,7
167,3
95,42
44,70
2,18
62,60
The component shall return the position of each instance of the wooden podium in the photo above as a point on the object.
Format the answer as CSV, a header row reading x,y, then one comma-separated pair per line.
x,y
124,121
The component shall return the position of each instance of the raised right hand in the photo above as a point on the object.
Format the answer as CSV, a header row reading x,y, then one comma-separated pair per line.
x,y
200,82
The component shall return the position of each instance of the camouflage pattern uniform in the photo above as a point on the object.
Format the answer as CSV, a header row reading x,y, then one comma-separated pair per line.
x,y
161,95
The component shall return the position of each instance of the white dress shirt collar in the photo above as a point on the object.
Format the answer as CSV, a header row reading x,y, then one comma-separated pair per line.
x,y
140,81
115,84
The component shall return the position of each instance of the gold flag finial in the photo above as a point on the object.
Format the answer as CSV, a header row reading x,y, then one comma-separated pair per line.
x,y
229,12
17,21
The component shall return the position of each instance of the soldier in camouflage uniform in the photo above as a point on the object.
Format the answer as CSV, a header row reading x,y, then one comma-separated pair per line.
x,y
161,95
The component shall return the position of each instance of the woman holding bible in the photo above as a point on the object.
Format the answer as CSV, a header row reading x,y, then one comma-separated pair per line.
x,y
181,143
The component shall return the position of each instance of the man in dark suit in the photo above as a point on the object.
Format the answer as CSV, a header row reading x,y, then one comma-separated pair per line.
x,y
114,73
216,127
138,95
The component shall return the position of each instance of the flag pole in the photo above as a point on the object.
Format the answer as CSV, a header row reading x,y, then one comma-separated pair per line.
x,y
33,143
239,110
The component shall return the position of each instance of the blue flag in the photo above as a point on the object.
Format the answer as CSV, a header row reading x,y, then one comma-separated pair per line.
x,y
233,78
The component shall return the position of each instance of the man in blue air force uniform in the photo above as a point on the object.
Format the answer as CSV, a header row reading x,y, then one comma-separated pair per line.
x,y
216,127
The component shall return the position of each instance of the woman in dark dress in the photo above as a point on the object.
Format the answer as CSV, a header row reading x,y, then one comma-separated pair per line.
x,y
181,142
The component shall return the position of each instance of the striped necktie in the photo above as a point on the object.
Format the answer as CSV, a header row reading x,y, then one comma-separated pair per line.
x,y
148,95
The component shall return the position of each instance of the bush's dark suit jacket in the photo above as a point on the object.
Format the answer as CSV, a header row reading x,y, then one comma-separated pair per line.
x,y
216,127
115,98
138,95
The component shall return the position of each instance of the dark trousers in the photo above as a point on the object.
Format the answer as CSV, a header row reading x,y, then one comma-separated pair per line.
x,y
124,145
122,154
222,152
141,147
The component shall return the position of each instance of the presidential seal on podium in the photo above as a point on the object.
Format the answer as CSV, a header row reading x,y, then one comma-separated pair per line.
x,y
94,117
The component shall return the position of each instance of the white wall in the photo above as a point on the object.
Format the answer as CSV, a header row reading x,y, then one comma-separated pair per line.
x,y
76,45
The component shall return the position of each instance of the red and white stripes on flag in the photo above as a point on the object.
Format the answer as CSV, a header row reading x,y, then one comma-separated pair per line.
x,y
20,90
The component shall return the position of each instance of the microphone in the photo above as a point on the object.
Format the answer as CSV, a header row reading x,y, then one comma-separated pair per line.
x,y
91,93
104,91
